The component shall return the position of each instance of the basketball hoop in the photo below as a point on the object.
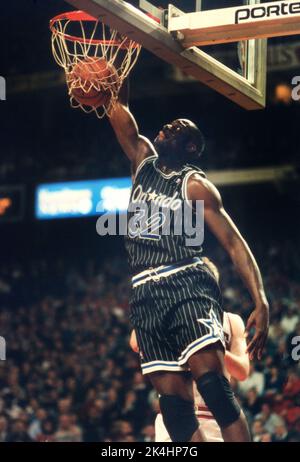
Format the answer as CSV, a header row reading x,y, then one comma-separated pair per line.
x,y
78,38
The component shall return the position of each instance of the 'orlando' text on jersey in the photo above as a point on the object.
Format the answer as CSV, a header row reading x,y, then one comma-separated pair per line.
x,y
157,202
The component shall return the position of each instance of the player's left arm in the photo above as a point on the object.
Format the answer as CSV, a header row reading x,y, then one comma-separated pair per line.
x,y
237,360
230,238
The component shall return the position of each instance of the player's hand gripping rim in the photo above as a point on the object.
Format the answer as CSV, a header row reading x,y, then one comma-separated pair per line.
x,y
259,319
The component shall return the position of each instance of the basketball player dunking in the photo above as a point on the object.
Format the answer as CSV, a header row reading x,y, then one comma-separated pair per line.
x,y
176,307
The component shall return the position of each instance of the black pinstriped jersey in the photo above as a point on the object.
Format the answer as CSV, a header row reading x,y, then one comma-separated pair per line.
x,y
153,194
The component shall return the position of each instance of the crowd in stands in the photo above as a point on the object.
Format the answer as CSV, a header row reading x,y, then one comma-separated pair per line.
x,y
70,375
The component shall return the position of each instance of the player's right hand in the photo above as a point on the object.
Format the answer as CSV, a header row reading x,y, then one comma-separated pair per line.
x,y
259,319
133,342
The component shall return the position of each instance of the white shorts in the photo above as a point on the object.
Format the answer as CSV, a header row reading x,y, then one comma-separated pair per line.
x,y
209,427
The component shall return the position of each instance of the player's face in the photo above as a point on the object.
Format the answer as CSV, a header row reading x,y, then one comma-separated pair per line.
x,y
172,140
174,130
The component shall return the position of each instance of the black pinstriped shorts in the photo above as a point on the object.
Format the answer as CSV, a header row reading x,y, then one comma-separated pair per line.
x,y
176,316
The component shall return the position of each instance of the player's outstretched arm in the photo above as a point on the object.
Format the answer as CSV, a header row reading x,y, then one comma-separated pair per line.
x,y
236,358
229,236
135,146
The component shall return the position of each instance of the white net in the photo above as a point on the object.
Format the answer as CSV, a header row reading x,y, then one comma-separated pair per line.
x,y
96,60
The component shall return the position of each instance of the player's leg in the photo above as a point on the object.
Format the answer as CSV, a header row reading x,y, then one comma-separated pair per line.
x,y
151,309
152,312
207,367
198,324
177,405
172,383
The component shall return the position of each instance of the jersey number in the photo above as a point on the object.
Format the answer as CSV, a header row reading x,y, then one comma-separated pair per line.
x,y
146,228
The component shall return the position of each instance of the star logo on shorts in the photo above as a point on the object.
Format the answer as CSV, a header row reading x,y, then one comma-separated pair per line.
x,y
152,196
214,325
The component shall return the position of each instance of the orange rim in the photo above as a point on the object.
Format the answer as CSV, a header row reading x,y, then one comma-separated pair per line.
x,y
77,16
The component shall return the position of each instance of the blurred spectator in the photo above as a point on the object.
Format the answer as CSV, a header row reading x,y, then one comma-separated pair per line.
x,y
35,427
252,401
289,321
255,380
269,419
67,431
19,433
257,430
292,415
266,438
122,432
274,381
292,387
93,422
47,431
148,434
281,433
294,437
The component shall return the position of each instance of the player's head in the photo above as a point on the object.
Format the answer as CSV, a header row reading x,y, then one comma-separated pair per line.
x,y
179,142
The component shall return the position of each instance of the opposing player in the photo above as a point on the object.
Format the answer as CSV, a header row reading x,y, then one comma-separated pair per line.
x,y
176,306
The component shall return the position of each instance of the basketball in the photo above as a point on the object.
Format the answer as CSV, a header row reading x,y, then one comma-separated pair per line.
x,y
86,79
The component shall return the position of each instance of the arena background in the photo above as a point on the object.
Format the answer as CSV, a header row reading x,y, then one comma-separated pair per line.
x,y
69,374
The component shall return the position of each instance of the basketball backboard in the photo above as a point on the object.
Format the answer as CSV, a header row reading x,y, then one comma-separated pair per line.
x,y
176,36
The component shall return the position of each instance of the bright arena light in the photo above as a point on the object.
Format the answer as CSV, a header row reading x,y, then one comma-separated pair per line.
x,y
82,198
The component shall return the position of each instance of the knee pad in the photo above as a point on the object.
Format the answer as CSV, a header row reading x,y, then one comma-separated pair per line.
x,y
179,417
216,391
